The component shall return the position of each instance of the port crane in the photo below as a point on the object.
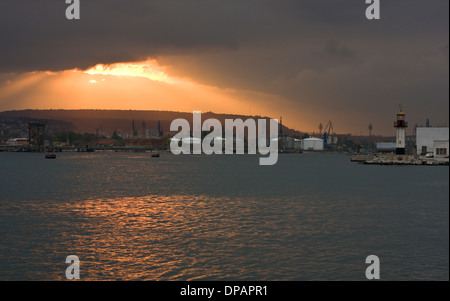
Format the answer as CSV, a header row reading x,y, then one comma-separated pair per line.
x,y
326,133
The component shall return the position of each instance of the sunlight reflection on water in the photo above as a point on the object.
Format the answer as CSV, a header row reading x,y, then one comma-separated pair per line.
x,y
129,217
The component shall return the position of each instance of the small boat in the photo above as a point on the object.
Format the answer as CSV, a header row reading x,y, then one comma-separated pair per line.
x,y
155,155
50,156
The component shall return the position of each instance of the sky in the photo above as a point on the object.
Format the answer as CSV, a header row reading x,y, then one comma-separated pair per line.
x,y
309,61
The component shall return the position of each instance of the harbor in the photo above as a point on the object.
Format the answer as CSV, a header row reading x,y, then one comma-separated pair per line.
x,y
392,159
431,147
220,143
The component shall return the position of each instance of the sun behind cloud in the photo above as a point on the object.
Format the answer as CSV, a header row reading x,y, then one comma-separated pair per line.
x,y
147,69
144,85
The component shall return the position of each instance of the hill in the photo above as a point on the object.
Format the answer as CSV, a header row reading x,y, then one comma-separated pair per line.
x,y
109,121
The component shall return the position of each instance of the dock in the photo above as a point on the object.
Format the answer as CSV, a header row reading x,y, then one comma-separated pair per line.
x,y
391,159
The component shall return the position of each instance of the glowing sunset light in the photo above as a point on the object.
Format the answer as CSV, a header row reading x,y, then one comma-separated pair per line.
x,y
133,86
148,69
145,85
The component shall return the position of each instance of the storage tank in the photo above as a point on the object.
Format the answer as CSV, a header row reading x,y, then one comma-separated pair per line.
x,y
312,144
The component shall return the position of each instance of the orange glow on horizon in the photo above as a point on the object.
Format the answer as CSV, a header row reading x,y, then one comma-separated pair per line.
x,y
135,86
149,69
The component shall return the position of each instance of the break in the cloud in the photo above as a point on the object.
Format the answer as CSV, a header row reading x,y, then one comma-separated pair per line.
x,y
309,60
134,86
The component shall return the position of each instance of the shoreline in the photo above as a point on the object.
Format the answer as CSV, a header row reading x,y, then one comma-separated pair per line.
x,y
391,159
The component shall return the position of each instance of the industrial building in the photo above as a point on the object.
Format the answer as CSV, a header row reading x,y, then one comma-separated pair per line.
x,y
297,144
290,144
104,143
18,142
144,143
150,133
432,140
36,134
312,144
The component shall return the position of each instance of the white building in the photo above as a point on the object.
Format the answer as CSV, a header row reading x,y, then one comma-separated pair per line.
x,y
427,136
312,144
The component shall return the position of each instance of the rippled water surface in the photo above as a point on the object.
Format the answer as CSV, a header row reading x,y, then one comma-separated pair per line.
x,y
133,217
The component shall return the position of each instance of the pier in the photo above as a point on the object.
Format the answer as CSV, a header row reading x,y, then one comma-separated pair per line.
x,y
392,159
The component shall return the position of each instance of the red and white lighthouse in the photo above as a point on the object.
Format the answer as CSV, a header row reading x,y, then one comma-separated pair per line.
x,y
401,125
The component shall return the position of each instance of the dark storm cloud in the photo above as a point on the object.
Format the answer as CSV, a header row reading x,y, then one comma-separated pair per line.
x,y
321,53
35,34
